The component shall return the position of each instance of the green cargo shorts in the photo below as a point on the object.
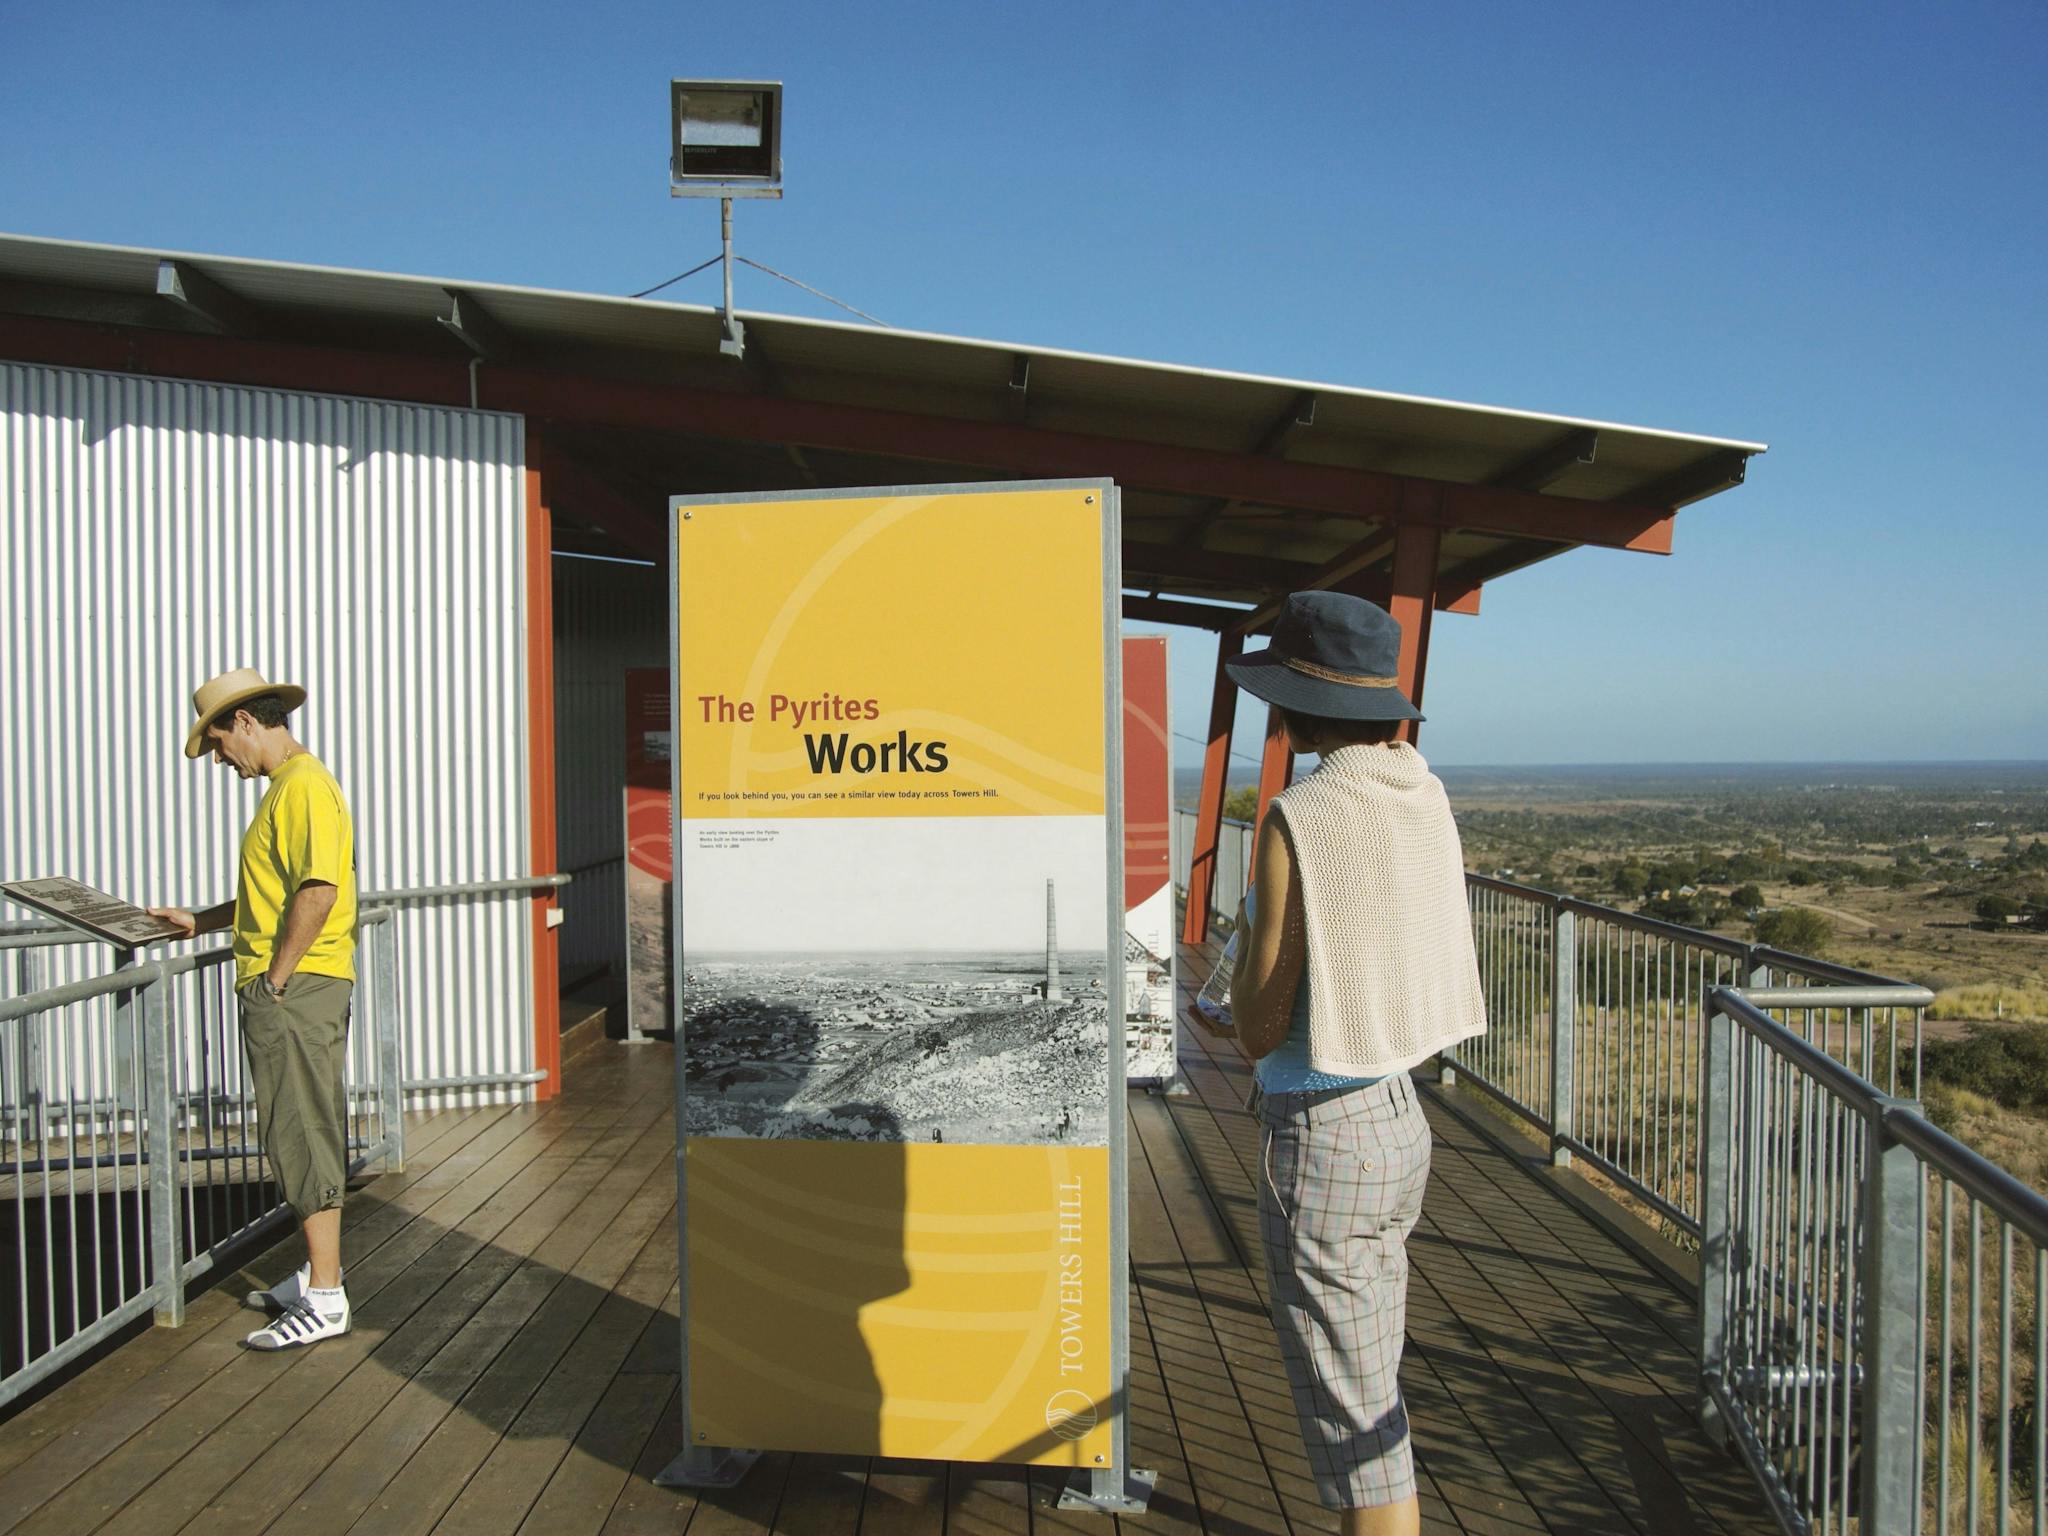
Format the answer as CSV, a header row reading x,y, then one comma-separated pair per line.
x,y
298,1048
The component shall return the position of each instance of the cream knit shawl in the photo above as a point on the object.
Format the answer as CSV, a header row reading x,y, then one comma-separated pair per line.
x,y
1391,975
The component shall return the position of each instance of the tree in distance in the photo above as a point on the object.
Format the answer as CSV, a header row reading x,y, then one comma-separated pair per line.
x,y
1746,898
1996,909
1798,930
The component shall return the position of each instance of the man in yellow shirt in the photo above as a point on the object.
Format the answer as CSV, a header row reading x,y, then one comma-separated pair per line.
x,y
294,920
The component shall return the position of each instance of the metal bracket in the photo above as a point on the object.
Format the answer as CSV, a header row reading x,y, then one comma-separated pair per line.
x,y
1108,1491
707,1466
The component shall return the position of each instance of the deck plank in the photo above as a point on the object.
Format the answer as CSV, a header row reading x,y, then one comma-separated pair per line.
x,y
381,1414
129,1447
904,1498
111,1384
983,1500
284,1418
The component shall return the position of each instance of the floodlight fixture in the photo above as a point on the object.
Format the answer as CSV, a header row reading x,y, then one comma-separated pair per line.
x,y
725,138
725,141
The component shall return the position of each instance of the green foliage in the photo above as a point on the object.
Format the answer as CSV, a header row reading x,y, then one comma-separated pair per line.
x,y
1674,909
1242,803
1800,930
1996,909
1746,898
2007,1063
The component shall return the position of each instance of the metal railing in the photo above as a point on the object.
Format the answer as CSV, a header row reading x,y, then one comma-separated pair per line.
x,y
28,938
1596,1025
1233,862
129,1157
1871,1332
1835,1282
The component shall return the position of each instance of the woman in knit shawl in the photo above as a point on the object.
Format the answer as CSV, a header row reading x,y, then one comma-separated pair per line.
x,y
1355,964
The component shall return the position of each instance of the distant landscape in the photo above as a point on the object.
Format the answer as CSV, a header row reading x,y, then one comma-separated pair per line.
x,y
1935,873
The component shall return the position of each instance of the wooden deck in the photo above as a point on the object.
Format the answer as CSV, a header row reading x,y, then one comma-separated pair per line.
x,y
513,1364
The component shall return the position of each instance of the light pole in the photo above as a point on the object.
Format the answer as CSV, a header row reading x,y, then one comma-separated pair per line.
x,y
725,141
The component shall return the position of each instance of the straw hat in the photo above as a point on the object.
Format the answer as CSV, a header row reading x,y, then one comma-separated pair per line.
x,y
217,695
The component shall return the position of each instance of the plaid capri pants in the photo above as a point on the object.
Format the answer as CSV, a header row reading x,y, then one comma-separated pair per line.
x,y
1341,1189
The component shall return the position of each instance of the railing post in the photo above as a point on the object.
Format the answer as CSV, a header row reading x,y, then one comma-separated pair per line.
x,y
390,1044
1563,1035
160,1141
1717,1127
29,1055
1892,1301
124,1045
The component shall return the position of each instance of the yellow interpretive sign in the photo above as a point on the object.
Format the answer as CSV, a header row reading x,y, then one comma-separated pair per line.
x,y
898,918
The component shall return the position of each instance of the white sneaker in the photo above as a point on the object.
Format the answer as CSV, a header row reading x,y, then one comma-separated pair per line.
x,y
279,1297
301,1324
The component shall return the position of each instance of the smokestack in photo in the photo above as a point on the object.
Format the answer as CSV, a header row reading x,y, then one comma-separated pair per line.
x,y
1052,947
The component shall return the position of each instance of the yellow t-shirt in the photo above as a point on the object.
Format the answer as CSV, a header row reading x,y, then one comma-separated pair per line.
x,y
300,832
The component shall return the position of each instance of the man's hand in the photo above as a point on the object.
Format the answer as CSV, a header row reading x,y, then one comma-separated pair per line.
x,y
187,921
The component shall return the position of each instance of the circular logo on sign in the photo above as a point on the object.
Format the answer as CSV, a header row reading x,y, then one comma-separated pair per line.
x,y
1069,1414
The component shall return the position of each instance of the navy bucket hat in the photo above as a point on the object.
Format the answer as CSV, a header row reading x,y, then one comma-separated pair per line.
x,y
1332,655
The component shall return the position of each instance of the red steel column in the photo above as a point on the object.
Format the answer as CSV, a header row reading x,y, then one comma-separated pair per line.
x,y
1209,804
1276,764
1411,601
540,773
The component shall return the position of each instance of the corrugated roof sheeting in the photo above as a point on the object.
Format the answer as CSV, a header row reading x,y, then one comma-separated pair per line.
x,y
158,532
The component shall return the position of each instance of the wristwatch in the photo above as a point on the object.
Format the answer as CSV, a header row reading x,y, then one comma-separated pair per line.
x,y
276,992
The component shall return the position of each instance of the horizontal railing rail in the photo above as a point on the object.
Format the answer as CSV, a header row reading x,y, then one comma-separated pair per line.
x,y
41,932
129,1163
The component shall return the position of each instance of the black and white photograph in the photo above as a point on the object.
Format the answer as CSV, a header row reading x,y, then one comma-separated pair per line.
x,y
898,979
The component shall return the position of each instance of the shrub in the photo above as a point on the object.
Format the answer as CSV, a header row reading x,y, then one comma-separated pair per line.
x,y
1674,908
1800,930
2006,1063
1996,909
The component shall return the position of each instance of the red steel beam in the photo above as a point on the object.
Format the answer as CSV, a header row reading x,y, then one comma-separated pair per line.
x,y
1366,495
1276,764
1458,599
540,777
1209,803
1164,610
573,487
1411,600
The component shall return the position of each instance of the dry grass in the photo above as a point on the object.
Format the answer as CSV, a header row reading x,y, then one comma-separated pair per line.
x,y
2018,1143
2012,1004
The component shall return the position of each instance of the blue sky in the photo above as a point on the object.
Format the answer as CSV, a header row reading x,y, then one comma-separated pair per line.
x,y
1821,227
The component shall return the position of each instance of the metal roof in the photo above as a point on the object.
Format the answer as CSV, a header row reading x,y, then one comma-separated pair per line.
x,y
1274,514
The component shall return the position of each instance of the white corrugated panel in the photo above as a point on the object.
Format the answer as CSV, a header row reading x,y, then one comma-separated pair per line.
x,y
609,615
154,532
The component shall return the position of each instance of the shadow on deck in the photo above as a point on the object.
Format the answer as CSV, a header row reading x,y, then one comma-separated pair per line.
x,y
513,1365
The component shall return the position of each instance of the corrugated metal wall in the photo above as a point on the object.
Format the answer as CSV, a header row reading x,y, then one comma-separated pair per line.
x,y
154,532
609,616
